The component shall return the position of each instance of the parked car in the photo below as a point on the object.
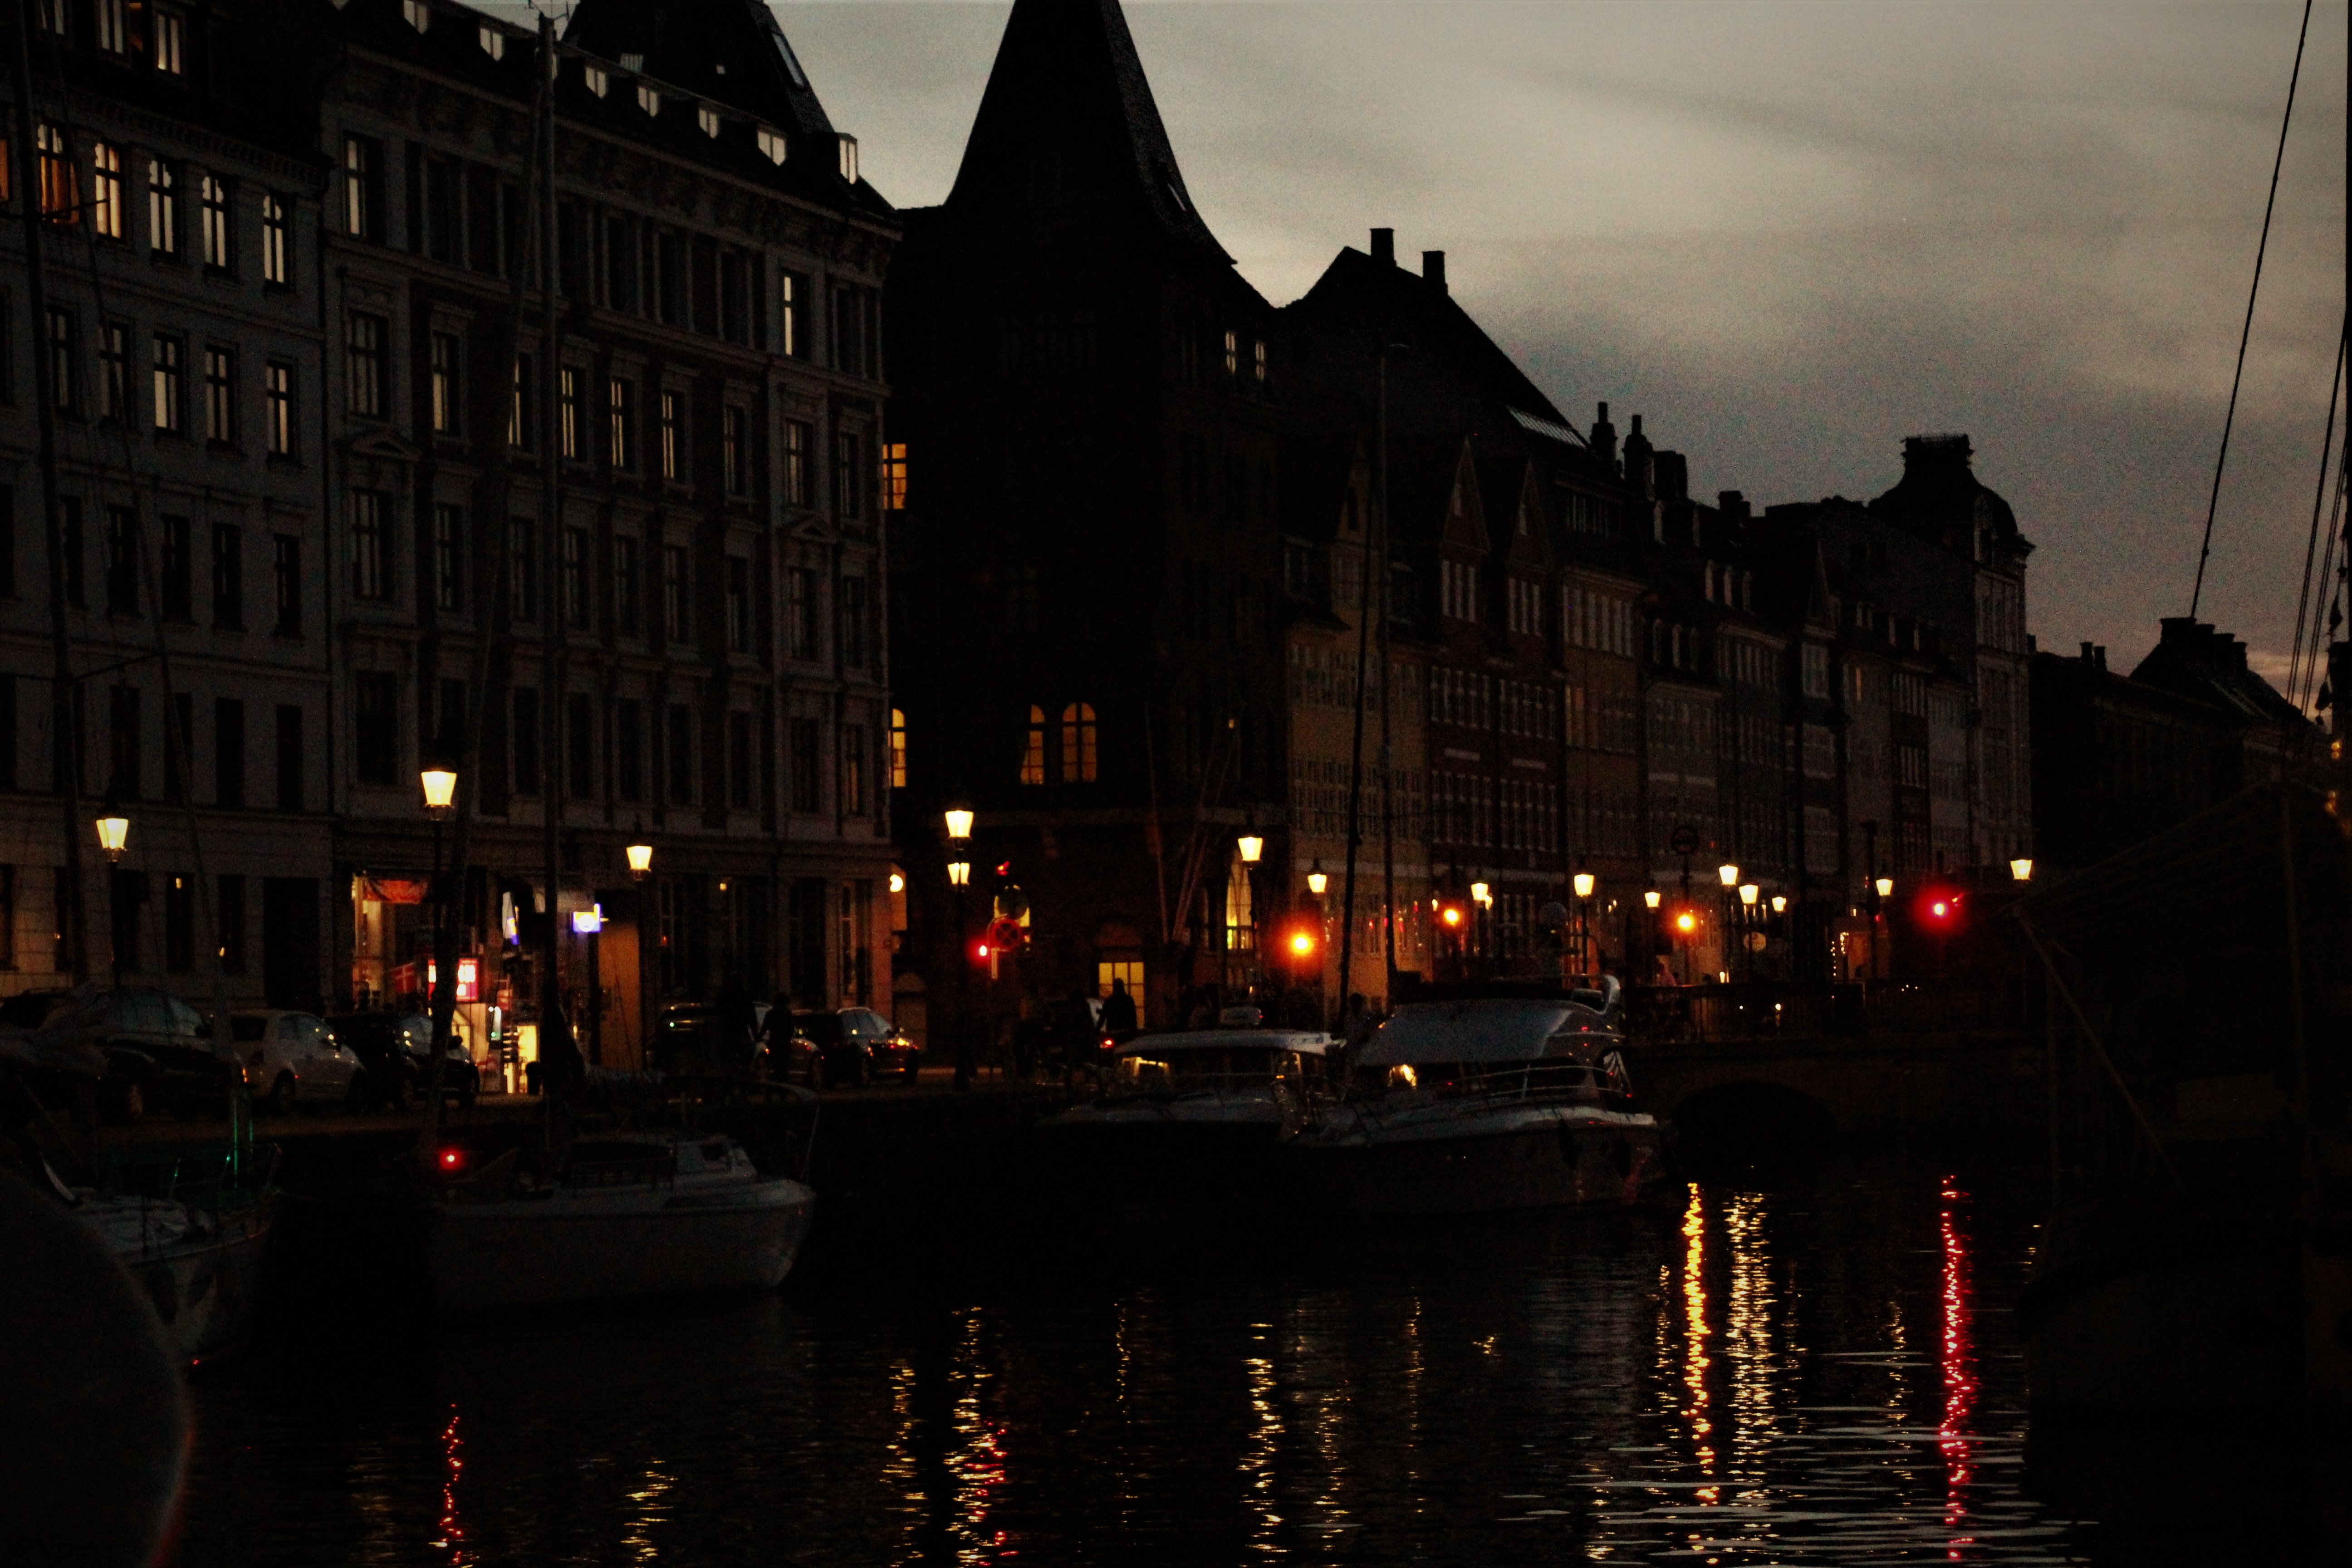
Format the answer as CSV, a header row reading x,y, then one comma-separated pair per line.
x,y
855,1046
395,1050
158,1050
292,1057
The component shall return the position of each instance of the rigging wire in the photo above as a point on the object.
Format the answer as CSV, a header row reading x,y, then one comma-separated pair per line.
x,y
2303,616
2246,332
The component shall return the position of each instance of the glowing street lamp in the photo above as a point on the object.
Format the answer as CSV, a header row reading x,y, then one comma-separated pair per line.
x,y
641,860
1885,886
1730,873
1482,894
1317,882
113,832
1250,847
1747,893
1651,898
1584,884
959,821
1779,905
959,873
440,786
2021,870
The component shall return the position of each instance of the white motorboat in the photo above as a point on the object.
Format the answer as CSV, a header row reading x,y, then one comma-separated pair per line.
x,y
1185,1109
198,1266
637,1215
1482,1103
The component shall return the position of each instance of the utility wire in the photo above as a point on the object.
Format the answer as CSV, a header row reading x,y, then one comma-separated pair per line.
x,y
2246,332
2318,500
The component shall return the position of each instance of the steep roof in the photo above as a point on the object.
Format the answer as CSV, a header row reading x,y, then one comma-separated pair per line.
x,y
2194,659
1067,124
1939,491
729,50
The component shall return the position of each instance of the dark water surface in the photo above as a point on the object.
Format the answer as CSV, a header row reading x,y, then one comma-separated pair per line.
x,y
1820,1371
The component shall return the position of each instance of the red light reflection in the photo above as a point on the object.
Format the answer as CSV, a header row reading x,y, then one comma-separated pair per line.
x,y
453,1533
1954,1437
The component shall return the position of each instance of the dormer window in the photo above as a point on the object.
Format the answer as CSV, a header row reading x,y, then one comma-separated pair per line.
x,y
169,33
708,118
1261,362
113,27
648,100
771,144
595,81
849,159
633,62
493,43
416,13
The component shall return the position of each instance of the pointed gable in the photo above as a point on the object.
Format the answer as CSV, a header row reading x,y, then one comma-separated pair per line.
x,y
1068,126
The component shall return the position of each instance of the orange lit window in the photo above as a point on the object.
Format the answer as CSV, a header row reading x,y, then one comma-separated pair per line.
x,y
1033,755
1078,744
898,749
893,476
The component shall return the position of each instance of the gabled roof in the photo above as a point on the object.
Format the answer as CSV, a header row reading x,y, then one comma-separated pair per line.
x,y
733,51
1068,125
2194,659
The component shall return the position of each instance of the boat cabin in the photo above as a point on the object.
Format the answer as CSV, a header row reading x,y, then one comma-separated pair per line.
x,y
1568,1048
1216,1060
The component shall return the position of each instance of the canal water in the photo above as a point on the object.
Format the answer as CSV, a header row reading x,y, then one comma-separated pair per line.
x,y
1814,1369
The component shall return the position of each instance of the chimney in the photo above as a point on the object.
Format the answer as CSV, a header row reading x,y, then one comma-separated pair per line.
x,y
1639,468
1672,472
1603,440
2090,658
1433,267
1733,506
2101,654
1384,247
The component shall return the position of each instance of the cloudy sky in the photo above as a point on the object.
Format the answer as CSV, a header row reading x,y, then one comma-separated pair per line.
x,y
1790,234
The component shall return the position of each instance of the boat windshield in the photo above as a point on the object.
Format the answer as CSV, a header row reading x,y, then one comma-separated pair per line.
x,y
1197,1070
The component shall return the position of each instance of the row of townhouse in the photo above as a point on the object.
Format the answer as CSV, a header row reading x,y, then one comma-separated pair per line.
x,y
307,441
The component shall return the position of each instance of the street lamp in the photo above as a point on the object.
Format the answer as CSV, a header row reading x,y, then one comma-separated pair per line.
x,y
1747,893
1584,884
1250,847
959,873
1885,886
113,832
440,786
1730,873
1779,905
959,821
1317,882
1482,894
897,881
641,860
2021,870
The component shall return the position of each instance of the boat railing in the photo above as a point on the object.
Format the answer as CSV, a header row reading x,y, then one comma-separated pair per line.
x,y
1414,1085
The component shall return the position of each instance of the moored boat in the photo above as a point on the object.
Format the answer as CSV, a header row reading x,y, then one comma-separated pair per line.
x,y
1482,1103
633,1215
198,1264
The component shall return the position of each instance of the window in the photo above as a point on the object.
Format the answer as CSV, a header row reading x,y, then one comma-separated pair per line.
x,y
290,757
278,395
739,605
576,577
708,118
364,342
807,778
179,569
213,211
106,188
673,413
371,546
276,261
375,708
1233,353
220,396
735,440
852,622
772,148
70,506
286,575
519,405
65,361
493,42
801,612
568,410
1817,670
628,749
676,625
121,561
799,437
579,746
623,402
1458,586
1078,744
898,749
853,769
60,190
114,370
739,756
1261,362
849,477
793,291
893,476
449,559
170,378
595,79
162,209
1032,750
169,35
648,98
113,27
523,565
229,577
681,754
444,383
416,13
363,216
627,598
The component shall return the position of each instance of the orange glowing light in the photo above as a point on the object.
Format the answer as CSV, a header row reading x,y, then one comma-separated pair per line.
x,y
1302,943
1453,917
1686,922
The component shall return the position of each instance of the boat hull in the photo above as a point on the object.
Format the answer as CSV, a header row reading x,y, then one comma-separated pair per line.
x,y
201,1276
1528,1158
605,1245
1159,1163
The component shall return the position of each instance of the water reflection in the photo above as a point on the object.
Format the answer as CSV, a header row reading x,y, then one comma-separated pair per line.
x,y
1740,1377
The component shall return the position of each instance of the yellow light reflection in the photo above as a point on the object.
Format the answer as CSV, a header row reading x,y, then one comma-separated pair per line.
x,y
1695,1338
1259,1459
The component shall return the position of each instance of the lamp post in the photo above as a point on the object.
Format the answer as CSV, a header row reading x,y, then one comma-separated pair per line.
x,y
1881,889
957,820
1651,899
440,786
1728,875
1584,882
1748,893
113,832
2021,870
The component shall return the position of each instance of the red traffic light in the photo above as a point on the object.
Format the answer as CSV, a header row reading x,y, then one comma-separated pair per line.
x,y
980,951
452,1159
1939,907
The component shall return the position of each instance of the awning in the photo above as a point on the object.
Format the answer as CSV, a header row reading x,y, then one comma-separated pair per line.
x,y
389,890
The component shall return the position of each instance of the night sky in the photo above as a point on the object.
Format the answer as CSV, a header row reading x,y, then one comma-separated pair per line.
x,y
1791,235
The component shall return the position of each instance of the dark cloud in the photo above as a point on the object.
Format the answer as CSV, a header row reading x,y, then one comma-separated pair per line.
x,y
1791,235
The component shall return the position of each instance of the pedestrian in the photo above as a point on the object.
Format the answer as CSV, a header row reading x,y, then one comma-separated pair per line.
x,y
1118,1019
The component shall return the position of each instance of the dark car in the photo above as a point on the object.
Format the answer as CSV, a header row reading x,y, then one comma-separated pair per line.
x,y
396,1048
853,1045
158,1051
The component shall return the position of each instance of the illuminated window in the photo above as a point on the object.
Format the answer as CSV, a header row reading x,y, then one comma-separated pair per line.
x,y
1132,972
106,190
1233,353
898,749
708,118
168,33
214,210
772,148
1078,744
1033,755
60,190
893,476
1241,929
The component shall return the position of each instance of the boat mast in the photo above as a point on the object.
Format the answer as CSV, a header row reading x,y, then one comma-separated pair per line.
x,y
1356,753
65,732
555,1049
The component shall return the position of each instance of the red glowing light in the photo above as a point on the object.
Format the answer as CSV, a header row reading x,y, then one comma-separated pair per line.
x,y
1953,1435
451,1159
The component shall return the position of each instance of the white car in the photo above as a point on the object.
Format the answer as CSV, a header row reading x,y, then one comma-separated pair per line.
x,y
292,1059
